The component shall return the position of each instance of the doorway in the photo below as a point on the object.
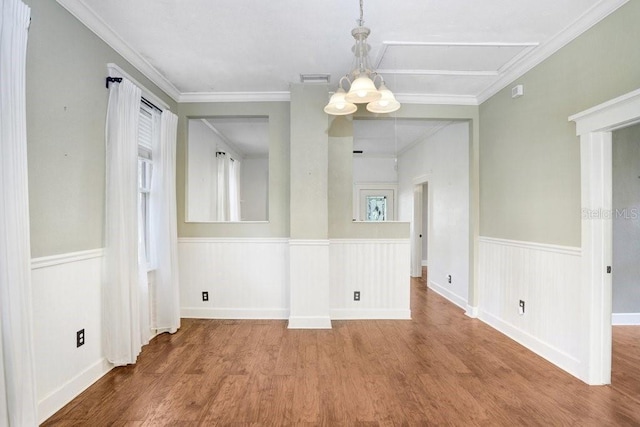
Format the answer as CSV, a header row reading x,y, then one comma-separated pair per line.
x,y
594,127
420,229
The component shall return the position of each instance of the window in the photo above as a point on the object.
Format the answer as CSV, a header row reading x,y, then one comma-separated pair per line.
x,y
148,131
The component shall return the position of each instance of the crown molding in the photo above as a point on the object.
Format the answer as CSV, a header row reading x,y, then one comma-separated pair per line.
x,y
283,96
418,98
94,23
591,17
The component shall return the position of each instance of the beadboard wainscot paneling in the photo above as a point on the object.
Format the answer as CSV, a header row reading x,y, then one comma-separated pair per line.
x,y
547,279
247,278
379,269
309,281
66,298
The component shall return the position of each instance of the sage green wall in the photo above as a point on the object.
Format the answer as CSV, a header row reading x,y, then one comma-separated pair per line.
x,y
66,110
278,225
529,152
309,159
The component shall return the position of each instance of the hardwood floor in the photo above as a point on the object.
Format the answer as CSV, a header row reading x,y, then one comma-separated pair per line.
x,y
441,368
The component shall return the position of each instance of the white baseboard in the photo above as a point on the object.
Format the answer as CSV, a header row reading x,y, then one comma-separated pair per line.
x,y
370,314
446,293
234,313
424,263
71,389
472,312
625,319
309,322
557,357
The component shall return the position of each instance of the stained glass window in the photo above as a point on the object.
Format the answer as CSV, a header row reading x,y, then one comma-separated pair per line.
x,y
376,208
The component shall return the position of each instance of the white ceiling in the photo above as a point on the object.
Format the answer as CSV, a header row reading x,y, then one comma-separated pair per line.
x,y
443,51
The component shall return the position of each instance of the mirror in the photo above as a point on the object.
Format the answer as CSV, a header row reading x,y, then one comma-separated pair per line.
x,y
227,169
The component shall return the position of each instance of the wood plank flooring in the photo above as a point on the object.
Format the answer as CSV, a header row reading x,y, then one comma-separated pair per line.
x,y
440,368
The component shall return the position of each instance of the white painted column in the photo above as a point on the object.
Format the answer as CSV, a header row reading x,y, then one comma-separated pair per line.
x,y
309,237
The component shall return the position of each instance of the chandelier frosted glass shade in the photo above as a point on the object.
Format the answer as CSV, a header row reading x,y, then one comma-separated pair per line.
x,y
386,104
363,91
338,105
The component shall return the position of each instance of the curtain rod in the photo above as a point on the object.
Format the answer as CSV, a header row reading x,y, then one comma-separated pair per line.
x,y
119,80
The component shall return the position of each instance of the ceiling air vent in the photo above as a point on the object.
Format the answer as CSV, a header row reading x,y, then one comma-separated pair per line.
x,y
315,78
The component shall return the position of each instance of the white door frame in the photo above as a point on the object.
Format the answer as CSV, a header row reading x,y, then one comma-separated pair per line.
x,y
594,127
417,226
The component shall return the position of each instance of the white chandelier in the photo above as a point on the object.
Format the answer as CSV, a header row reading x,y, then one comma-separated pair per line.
x,y
362,79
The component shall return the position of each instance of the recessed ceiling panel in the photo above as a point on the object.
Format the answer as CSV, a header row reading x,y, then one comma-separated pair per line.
x,y
438,84
489,58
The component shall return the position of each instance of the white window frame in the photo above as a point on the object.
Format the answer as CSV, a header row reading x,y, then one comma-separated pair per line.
x,y
145,175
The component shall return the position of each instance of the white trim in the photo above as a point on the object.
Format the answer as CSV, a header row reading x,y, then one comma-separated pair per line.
x,y
424,262
369,314
615,113
208,240
93,22
114,70
309,322
557,357
197,97
234,313
598,12
447,294
594,128
442,99
48,261
472,312
625,319
566,250
399,241
52,403
308,242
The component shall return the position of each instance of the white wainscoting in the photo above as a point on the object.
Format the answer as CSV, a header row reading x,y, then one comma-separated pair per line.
x,y
66,298
246,278
309,274
547,279
379,269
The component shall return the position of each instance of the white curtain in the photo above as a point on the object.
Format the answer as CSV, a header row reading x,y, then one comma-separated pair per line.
x,y
234,190
18,398
228,188
164,228
222,202
122,299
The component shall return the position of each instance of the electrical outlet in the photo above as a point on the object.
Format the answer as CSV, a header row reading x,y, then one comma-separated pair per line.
x,y
356,295
205,296
80,338
521,308
449,278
